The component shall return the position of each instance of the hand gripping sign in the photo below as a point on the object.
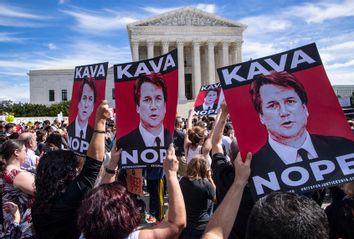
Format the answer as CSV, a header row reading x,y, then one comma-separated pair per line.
x,y
285,112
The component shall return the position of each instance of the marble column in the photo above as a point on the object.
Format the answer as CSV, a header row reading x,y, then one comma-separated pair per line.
x,y
150,49
225,54
135,48
181,83
211,62
165,45
239,55
233,51
196,68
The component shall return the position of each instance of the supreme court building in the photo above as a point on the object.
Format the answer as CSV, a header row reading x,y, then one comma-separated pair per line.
x,y
204,42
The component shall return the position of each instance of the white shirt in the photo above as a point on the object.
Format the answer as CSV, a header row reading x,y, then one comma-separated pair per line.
x,y
150,139
78,129
31,160
226,140
289,154
207,107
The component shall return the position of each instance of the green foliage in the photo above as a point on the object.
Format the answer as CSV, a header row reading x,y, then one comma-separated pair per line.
x,y
33,110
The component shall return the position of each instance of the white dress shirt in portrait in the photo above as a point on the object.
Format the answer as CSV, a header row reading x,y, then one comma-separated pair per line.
x,y
78,129
150,139
288,154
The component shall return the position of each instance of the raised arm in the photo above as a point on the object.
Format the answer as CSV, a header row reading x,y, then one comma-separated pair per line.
x,y
96,148
176,208
220,225
219,129
111,168
187,142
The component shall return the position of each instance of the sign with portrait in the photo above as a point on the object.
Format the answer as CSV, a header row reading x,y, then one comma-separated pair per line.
x,y
208,100
146,104
88,92
286,113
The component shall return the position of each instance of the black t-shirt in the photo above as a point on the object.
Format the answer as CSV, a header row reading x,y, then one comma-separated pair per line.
x,y
223,176
196,194
178,141
61,220
340,216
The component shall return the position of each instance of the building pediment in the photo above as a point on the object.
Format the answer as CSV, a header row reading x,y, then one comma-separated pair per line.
x,y
187,17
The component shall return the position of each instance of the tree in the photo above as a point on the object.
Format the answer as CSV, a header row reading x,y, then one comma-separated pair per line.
x,y
28,110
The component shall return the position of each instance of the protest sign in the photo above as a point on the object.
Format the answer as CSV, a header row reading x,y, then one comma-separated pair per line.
x,y
285,112
88,92
208,100
146,104
135,181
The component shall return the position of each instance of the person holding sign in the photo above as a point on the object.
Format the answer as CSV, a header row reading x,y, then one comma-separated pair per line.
x,y
281,103
80,128
61,182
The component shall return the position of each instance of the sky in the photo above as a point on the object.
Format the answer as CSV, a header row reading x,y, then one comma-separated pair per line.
x,y
57,34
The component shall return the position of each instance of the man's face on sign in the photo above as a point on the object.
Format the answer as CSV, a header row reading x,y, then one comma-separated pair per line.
x,y
86,103
210,97
152,106
284,115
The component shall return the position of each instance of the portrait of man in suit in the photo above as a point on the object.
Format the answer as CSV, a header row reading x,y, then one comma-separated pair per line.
x,y
80,128
281,103
209,102
150,96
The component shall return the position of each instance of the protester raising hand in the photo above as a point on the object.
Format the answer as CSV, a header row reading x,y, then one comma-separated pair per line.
x,y
111,168
242,169
221,223
113,199
170,164
103,111
59,186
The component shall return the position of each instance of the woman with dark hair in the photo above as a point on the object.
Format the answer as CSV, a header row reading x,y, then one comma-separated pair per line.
x,y
197,188
109,212
41,138
53,142
60,185
18,188
197,141
108,208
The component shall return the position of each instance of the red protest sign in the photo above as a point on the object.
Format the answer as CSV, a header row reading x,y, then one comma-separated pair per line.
x,y
146,104
299,139
88,92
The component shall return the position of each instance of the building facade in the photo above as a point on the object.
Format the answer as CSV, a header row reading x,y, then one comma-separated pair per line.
x,y
343,90
204,41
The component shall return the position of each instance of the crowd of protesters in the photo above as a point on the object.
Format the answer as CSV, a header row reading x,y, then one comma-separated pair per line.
x,y
50,192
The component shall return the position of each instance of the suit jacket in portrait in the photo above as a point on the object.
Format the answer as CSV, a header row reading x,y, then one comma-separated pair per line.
x,y
266,159
200,107
134,140
89,131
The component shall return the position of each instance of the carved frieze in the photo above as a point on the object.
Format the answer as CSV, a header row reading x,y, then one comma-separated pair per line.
x,y
187,18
